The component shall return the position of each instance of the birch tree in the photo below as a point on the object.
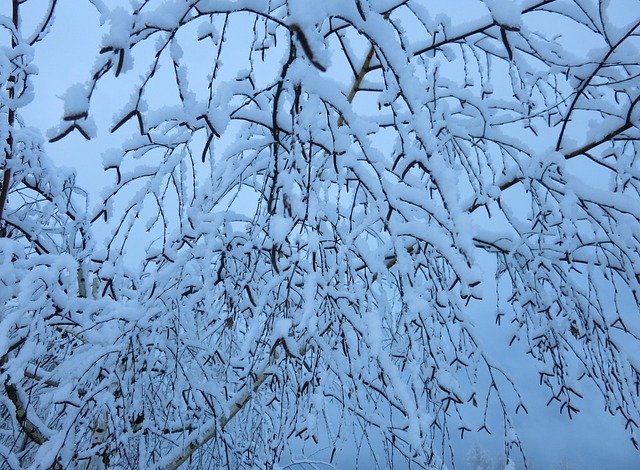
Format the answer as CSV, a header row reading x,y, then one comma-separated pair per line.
x,y
308,206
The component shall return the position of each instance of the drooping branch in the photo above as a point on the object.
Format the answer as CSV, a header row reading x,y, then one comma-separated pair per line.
x,y
30,429
6,178
174,462
579,93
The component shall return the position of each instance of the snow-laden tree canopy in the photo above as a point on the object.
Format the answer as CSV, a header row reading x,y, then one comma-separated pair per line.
x,y
310,201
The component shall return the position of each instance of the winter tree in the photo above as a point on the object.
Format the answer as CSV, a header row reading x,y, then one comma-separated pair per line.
x,y
304,204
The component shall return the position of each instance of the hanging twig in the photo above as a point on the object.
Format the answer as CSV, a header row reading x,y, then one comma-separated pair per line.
x,y
6,179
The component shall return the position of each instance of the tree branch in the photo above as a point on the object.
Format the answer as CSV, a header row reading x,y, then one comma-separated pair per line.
x,y
238,404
